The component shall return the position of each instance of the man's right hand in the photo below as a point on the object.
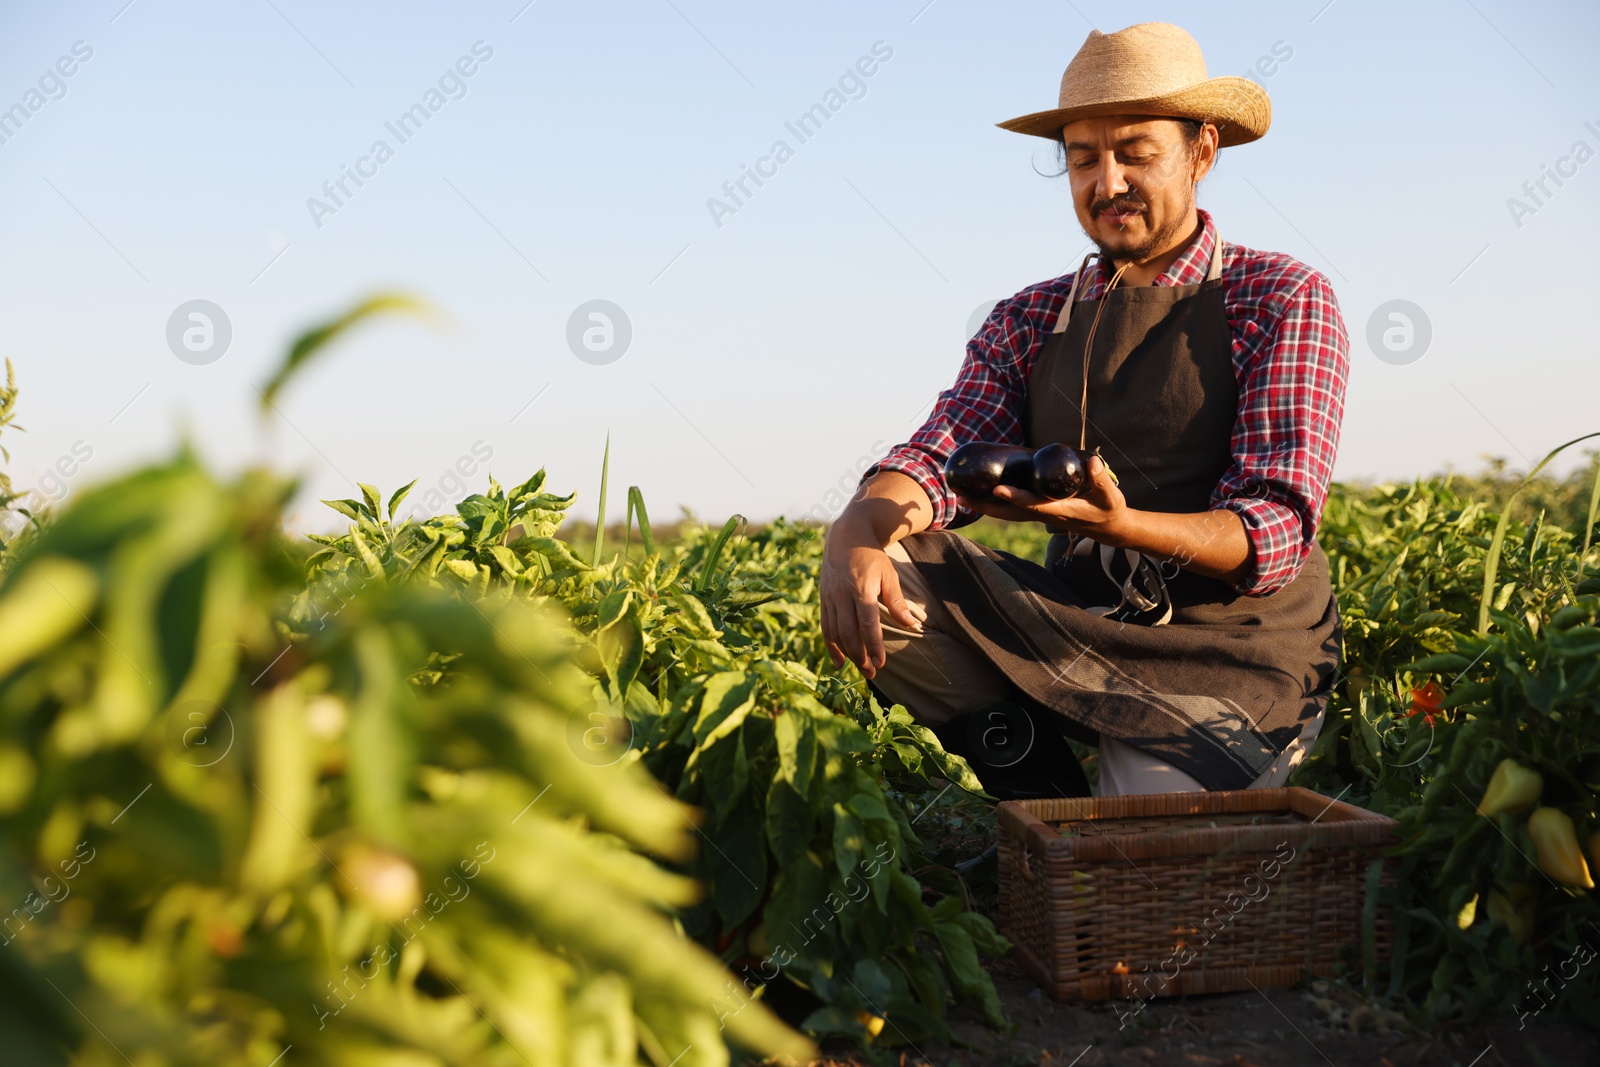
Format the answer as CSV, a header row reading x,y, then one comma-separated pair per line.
x,y
857,575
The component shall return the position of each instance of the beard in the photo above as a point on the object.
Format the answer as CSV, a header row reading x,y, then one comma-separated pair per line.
x,y
1157,240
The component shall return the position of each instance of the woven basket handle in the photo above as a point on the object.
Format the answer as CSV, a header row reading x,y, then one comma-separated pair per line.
x,y
1026,861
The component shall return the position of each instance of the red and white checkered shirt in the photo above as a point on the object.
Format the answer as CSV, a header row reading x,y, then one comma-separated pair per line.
x,y
1291,357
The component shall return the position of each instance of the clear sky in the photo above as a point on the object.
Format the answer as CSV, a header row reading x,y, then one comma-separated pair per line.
x,y
776,348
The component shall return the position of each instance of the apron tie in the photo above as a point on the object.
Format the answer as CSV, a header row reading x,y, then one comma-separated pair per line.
x,y
1144,589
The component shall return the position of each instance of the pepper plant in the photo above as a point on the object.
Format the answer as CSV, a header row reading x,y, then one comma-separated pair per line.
x,y
709,670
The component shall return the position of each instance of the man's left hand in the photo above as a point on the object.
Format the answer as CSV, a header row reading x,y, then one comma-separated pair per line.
x,y
1100,511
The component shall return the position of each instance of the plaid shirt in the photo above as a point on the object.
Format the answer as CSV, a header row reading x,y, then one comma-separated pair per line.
x,y
1290,355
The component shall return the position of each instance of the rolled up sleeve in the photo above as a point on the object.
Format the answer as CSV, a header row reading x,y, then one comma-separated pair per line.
x,y
1286,434
984,404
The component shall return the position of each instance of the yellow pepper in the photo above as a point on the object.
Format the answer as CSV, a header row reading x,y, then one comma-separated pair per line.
x,y
1468,913
1511,788
1518,917
1556,848
873,1023
756,940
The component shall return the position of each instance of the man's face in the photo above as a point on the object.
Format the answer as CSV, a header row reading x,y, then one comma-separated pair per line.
x,y
1133,181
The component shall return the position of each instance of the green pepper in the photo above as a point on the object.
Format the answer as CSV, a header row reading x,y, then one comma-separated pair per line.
x,y
1511,788
1514,908
1556,847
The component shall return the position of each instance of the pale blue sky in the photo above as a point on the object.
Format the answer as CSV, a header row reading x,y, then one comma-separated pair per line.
x,y
770,353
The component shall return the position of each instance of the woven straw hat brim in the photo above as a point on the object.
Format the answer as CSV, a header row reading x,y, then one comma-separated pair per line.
x,y
1239,107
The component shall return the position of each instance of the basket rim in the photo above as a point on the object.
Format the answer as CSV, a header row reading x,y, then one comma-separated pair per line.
x,y
1332,823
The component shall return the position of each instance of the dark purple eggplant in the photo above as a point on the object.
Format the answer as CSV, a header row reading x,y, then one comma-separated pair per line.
x,y
973,470
1059,471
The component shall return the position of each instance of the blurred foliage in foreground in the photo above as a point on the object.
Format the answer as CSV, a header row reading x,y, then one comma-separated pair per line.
x,y
223,837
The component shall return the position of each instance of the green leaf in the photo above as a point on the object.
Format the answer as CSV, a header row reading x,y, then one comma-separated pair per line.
x,y
729,696
797,751
970,981
399,495
1369,922
556,552
832,1022
600,515
800,891
315,340
369,559
983,933
636,507
849,840
697,620
351,509
620,638
870,807
464,569
528,488
374,502
788,822
507,559
1594,512
1442,663
708,566
484,518
737,862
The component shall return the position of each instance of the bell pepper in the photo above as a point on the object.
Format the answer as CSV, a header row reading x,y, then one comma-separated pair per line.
x,y
756,940
1357,685
1556,848
1426,701
1511,788
1514,908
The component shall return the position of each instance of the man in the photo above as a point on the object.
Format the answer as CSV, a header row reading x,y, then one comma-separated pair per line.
x,y
1184,619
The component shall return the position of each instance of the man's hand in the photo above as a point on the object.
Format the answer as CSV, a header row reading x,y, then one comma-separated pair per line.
x,y
857,574
1100,511
1211,543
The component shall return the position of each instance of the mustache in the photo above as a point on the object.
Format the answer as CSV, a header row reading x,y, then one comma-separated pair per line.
x,y
1120,204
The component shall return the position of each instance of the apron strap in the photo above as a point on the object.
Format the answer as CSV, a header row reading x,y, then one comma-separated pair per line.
x,y
1144,589
1212,273
1072,294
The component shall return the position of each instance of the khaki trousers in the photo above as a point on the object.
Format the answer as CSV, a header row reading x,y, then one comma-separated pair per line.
x,y
937,677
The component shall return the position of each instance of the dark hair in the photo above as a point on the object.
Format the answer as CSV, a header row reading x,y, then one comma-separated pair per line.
x,y
1191,129
1191,136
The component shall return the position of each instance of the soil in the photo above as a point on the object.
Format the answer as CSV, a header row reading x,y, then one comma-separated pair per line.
x,y
1325,1025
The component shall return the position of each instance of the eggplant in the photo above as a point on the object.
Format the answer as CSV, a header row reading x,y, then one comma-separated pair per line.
x,y
1054,472
1059,471
973,470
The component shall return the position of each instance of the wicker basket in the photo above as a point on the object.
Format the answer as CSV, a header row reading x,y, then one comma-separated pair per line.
x,y
1183,893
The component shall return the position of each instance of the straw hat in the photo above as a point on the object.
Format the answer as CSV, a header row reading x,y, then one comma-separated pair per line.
x,y
1154,68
